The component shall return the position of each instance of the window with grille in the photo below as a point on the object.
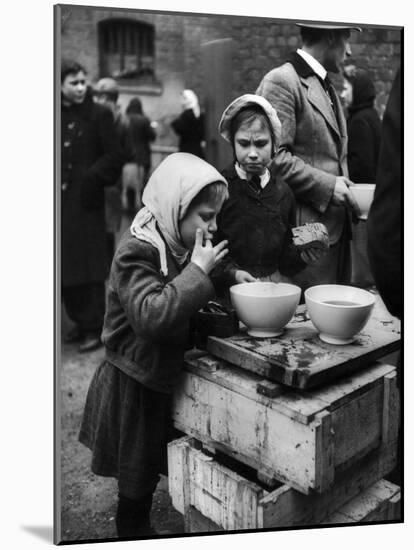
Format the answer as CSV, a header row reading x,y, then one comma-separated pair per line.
x,y
127,50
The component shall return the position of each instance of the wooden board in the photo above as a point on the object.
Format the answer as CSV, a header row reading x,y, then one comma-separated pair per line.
x,y
371,507
300,439
298,358
380,502
200,484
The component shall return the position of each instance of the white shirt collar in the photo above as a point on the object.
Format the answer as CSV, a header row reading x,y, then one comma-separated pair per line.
x,y
313,63
264,178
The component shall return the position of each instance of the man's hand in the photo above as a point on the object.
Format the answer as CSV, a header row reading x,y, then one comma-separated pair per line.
x,y
207,256
244,277
342,195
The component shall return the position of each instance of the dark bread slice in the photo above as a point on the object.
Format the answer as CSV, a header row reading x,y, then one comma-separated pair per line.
x,y
310,235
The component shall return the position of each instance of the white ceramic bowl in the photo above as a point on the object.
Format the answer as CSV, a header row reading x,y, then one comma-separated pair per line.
x,y
364,194
338,312
265,308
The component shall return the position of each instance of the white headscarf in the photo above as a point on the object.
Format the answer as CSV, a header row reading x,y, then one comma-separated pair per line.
x,y
244,101
190,101
167,196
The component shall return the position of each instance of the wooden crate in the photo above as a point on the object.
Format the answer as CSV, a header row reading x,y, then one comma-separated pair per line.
x,y
302,439
201,487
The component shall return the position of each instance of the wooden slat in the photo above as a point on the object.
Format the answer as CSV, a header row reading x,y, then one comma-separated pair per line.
x,y
286,507
325,452
372,505
301,407
196,522
391,412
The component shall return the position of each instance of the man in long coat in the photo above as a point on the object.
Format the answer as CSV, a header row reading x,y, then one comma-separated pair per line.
x,y
312,154
90,159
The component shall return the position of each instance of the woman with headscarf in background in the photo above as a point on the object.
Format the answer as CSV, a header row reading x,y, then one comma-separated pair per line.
x,y
364,126
189,126
364,136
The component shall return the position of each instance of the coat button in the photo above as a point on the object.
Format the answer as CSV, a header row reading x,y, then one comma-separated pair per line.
x,y
64,186
66,144
71,125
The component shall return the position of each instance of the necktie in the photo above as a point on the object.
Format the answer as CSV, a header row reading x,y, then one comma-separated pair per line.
x,y
255,183
327,84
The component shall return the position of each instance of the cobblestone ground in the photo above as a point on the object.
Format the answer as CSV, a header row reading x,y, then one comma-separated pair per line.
x,y
88,502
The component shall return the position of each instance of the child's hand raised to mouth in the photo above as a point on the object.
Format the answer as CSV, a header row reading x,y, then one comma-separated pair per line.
x,y
207,256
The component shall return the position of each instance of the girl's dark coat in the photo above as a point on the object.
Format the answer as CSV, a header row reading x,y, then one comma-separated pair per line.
x,y
258,228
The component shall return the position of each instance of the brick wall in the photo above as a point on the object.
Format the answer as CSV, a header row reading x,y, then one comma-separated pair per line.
x,y
259,45
262,44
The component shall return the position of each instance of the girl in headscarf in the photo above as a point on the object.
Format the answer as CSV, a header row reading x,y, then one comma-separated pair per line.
x,y
258,217
159,279
189,126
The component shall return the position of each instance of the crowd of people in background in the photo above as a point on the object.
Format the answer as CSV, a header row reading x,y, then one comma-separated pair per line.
x,y
297,152
109,161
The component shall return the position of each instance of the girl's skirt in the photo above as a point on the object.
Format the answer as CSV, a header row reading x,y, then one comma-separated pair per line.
x,y
127,427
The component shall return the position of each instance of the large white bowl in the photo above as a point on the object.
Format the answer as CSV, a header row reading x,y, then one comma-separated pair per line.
x,y
265,308
338,312
364,194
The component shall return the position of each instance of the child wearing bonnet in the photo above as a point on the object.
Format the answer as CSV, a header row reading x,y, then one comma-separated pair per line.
x,y
258,217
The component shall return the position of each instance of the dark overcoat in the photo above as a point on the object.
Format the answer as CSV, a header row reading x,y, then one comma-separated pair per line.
x,y
385,218
190,131
91,158
364,132
139,134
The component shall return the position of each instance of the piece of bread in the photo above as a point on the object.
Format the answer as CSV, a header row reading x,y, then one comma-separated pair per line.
x,y
310,235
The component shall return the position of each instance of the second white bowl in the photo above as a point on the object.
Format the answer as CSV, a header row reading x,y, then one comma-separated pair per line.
x,y
338,312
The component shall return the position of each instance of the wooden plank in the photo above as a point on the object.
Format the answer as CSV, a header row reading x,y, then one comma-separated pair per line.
x,y
298,357
178,472
358,426
302,407
371,505
286,507
325,452
222,495
361,513
391,412
196,522
394,509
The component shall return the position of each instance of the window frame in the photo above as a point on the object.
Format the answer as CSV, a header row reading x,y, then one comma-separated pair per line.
x,y
123,30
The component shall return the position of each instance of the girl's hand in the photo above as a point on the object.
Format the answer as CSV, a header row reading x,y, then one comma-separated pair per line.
x,y
313,255
244,277
207,256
